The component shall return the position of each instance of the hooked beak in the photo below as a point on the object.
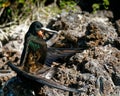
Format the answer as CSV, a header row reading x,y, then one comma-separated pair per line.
x,y
49,30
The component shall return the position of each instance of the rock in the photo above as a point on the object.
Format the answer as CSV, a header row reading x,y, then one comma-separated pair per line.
x,y
117,23
104,14
95,69
101,59
117,43
99,34
85,30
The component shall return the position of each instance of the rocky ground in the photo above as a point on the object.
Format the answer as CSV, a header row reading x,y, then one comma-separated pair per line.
x,y
95,70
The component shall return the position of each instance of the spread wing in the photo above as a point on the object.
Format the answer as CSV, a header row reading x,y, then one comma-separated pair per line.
x,y
55,54
36,81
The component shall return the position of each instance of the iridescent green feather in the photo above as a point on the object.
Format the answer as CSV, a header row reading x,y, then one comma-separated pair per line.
x,y
34,46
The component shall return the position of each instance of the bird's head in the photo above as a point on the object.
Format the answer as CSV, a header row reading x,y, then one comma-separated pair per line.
x,y
37,29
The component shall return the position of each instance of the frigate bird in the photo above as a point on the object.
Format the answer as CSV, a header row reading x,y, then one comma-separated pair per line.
x,y
36,55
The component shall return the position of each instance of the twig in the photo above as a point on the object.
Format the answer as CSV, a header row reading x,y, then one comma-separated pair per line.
x,y
7,24
1,11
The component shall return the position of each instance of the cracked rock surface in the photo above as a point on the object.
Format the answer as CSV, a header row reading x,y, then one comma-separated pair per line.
x,y
96,69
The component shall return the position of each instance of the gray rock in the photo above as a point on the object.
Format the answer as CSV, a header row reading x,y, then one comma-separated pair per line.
x,y
96,69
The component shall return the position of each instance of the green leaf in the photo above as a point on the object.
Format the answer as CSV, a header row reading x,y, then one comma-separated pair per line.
x,y
95,7
21,1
